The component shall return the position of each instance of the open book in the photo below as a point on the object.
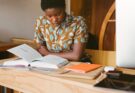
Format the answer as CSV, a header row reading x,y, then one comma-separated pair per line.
x,y
30,57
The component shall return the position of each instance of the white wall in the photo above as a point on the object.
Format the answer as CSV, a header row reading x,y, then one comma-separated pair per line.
x,y
125,32
17,18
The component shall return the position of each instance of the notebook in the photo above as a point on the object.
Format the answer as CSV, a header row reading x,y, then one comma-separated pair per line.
x,y
83,67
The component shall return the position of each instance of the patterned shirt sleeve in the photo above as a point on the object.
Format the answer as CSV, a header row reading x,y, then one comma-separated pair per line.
x,y
38,36
81,34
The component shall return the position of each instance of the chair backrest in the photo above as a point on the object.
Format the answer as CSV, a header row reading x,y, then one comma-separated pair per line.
x,y
104,26
101,56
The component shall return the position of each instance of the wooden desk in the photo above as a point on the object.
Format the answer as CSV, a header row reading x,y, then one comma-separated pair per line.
x,y
33,82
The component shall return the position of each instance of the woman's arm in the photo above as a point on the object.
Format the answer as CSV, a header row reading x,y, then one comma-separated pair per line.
x,y
73,55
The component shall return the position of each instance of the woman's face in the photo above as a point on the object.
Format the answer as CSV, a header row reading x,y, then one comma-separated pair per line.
x,y
55,15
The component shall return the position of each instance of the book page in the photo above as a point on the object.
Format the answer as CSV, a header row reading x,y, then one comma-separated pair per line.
x,y
50,61
25,52
18,62
43,65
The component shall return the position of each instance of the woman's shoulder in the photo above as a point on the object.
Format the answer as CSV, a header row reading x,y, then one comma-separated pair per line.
x,y
41,20
75,18
79,18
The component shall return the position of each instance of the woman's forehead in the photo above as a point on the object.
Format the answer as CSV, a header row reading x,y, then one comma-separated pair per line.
x,y
51,11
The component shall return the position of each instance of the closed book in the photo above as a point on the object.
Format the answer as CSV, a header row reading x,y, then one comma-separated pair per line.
x,y
83,67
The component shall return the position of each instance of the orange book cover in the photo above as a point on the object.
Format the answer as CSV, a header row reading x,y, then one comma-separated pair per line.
x,y
83,67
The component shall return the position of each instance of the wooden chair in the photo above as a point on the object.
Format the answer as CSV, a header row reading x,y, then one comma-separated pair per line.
x,y
101,56
106,20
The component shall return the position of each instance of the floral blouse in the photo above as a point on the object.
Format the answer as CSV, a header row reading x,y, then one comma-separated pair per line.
x,y
61,38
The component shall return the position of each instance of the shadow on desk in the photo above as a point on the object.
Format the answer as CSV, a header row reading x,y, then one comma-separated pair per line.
x,y
124,82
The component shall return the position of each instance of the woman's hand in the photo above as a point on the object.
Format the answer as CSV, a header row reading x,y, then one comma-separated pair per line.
x,y
43,50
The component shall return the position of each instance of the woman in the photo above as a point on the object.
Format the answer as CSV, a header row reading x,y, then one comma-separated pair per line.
x,y
58,33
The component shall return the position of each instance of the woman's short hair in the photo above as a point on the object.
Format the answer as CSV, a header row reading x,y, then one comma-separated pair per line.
x,y
45,4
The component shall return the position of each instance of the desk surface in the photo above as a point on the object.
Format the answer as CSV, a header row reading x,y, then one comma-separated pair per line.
x,y
32,82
